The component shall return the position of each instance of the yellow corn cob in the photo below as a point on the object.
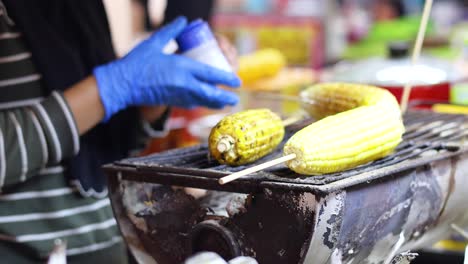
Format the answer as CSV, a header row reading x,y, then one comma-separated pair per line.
x,y
260,64
332,98
370,127
245,136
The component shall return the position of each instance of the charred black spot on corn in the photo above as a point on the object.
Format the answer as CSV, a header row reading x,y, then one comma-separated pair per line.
x,y
245,136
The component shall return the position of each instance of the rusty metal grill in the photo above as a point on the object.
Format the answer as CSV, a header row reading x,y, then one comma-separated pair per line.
x,y
429,137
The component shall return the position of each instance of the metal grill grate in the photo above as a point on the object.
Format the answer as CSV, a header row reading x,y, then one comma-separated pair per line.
x,y
429,137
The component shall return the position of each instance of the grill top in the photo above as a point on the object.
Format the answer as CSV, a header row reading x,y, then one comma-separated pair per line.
x,y
429,137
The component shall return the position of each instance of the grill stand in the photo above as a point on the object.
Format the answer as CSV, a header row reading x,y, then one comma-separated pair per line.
x,y
358,224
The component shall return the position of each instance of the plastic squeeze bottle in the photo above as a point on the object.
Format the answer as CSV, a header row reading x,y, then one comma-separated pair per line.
x,y
198,42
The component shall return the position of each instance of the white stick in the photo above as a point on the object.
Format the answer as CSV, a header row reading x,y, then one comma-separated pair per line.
x,y
291,120
416,52
271,163
460,231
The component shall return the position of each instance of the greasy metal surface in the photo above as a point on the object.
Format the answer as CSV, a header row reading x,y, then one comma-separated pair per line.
x,y
275,225
429,137
385,211
166,225
372,222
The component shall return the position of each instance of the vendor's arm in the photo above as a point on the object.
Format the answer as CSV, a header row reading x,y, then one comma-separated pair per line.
x,y
88,110
148,77
34,137
85,103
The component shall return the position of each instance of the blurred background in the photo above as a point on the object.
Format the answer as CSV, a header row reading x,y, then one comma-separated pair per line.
x,y
286,45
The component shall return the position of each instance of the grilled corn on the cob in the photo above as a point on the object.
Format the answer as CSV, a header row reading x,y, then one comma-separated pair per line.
x,y
260,64
245,136
361,124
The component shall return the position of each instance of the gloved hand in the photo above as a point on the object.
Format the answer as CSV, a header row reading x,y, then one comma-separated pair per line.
x,y
147,76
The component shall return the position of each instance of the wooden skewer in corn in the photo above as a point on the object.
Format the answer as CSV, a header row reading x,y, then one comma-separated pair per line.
x,y
460,230
416,52
291,120
268,164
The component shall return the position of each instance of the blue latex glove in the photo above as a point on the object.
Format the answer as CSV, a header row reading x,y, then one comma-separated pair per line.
x,y
146,76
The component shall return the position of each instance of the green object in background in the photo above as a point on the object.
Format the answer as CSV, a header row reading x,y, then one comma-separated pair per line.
x,y
405,28
381,33
365,50
459,94
446,52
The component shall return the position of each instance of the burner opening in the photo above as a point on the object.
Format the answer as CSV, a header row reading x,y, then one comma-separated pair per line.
x,y
210,236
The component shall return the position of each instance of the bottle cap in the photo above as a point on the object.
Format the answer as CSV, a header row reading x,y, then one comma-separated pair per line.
x,y
195,34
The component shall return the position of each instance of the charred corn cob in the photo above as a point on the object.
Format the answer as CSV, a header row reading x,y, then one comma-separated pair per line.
x,y
245,136
261,64
360,124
